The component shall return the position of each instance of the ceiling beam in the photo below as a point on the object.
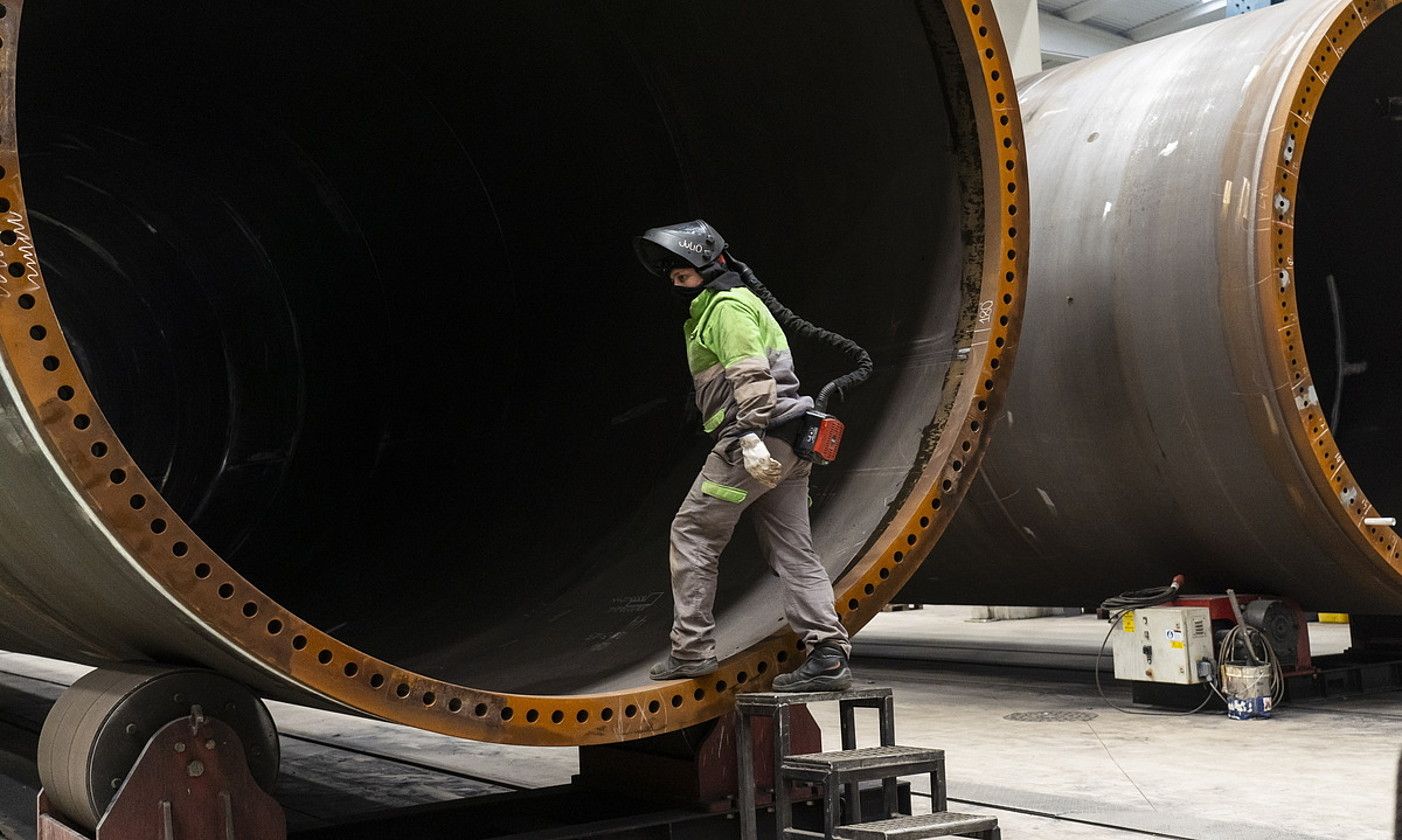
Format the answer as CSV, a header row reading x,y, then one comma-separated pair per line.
x,y
1086,9
1180,20
1019,21
1063,40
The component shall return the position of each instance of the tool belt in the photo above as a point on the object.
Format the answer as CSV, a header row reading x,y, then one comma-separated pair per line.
x,y
787,431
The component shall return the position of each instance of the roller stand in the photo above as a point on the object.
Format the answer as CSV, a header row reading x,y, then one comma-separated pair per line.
x,y
196,777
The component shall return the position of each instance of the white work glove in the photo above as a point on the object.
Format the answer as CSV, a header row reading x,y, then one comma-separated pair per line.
x,y
758,462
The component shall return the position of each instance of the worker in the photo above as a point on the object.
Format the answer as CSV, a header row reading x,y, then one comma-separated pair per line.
x,y
747,391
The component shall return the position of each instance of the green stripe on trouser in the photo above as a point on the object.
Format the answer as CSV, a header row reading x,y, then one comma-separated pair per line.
x,y
714,423
703,527
725,494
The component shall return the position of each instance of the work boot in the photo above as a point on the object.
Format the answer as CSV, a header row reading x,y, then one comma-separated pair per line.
x,y
673,668
825,670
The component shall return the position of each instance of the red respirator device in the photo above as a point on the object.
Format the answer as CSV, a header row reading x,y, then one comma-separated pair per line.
x,y
819,437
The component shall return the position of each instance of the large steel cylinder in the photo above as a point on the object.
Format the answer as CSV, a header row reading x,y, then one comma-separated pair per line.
x,y
327,364
1178,404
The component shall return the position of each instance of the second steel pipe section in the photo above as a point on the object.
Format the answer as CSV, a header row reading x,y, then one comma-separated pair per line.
x,y
1171,413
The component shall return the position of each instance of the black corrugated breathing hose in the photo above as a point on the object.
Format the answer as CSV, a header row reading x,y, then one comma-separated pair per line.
x,y
791,321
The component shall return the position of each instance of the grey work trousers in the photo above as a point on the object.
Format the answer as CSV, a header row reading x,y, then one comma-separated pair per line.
x,y
703,527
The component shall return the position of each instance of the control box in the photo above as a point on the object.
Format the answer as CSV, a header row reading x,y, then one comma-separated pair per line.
x,y
1164,645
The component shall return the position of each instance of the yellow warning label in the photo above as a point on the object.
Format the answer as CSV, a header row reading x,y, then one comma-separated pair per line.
x,y
1176,645
1128,621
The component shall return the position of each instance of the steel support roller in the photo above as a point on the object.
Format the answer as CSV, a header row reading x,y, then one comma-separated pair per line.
x,y
1209,380
323,343
101,726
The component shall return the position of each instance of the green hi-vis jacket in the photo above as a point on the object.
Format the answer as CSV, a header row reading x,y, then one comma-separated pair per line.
x,y
741,365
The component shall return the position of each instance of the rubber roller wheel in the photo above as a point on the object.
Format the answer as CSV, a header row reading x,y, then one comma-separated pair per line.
x,y
96,731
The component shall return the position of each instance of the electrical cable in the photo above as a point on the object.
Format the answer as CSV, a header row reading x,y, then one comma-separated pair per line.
x,y
1143,598
1244,635
792,321
1057,817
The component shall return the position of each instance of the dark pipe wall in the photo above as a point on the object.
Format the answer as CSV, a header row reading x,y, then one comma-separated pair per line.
x,y
1348,208
356,289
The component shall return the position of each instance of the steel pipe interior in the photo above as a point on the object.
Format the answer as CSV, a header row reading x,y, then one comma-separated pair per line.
x,y
355,288
1346,229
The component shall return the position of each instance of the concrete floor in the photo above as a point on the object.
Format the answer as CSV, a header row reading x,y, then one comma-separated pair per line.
x,y
1319,771
1323,770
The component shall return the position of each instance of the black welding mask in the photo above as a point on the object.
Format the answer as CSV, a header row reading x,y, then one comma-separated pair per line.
x,y
687,245
692,244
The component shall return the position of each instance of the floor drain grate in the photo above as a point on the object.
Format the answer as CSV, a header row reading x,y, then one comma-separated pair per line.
x,y
1050,717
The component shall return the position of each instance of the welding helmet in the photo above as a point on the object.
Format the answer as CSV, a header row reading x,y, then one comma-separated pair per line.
x,y
687,245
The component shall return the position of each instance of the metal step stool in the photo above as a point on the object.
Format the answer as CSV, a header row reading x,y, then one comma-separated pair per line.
x,y
847,768
775,706
835,770
944,824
